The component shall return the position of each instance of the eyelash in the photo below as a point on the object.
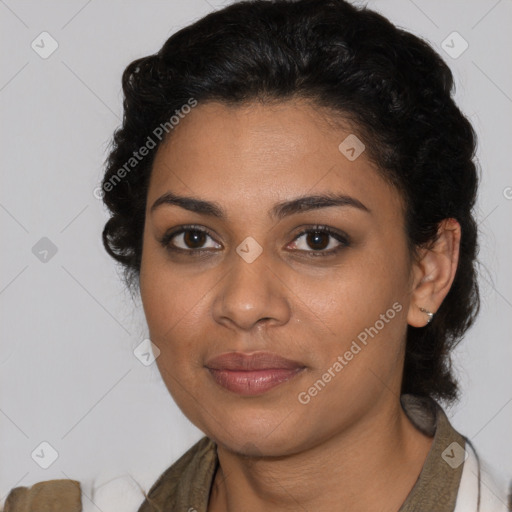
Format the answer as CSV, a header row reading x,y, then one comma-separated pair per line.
x,y
341,237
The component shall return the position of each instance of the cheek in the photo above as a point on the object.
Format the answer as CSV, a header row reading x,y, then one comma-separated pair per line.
x,y
173,310
361,291
364,305
171,296
176,308
174,316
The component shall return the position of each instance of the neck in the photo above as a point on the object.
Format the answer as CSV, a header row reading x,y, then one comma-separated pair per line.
x,y
350,470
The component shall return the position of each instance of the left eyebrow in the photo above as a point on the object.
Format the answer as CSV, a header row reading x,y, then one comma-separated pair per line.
x,y
306,203
278,211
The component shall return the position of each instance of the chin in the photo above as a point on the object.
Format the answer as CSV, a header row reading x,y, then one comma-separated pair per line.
x,y
256,434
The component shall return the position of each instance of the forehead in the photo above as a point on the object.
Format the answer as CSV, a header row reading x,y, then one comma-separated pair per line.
x,y
264,153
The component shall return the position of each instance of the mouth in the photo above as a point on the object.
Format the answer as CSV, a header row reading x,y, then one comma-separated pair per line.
x,y
253,374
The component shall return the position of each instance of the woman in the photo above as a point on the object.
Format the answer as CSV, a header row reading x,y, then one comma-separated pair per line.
x,y
292,192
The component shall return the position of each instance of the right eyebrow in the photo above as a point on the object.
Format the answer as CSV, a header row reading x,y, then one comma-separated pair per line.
x,y
189,203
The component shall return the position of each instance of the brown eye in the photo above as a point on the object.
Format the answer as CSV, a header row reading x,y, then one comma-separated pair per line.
x,y
317,240
189,239
320,241
194,239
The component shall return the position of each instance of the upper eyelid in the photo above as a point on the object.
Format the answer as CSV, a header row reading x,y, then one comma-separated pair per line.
x,y
321,228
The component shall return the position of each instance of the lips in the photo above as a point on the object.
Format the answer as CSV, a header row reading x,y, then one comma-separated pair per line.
x,y
253,374
257,361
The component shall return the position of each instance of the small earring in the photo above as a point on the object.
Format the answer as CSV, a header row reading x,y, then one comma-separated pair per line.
x,y
430,315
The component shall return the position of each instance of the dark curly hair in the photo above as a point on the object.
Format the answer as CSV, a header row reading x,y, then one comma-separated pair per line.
x,y
391,85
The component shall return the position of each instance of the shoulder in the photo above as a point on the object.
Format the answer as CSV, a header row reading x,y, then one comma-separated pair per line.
x,y
187,480
194,468
55,495
481,487
453,473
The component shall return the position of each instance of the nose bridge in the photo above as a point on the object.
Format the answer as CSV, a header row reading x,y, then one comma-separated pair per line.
x,y
251,291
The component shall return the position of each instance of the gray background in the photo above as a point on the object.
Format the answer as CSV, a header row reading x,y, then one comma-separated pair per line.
x,y
68,374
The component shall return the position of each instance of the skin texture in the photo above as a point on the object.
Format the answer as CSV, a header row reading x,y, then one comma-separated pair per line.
x,y
274,451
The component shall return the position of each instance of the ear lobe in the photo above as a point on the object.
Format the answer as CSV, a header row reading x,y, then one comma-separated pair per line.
x,y
434,273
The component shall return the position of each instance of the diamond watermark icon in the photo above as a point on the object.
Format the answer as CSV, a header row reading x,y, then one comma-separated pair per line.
x,y
454,455
44,250
217,4
44,45
351,147
454,45
249,249
44,455
146,352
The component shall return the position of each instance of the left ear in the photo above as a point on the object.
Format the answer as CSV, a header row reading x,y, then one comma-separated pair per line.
x,y
434,272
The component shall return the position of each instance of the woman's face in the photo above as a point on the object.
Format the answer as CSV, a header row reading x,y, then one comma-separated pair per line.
x,y
334,303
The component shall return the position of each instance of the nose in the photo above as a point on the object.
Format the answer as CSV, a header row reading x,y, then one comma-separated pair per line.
x,y
251,294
